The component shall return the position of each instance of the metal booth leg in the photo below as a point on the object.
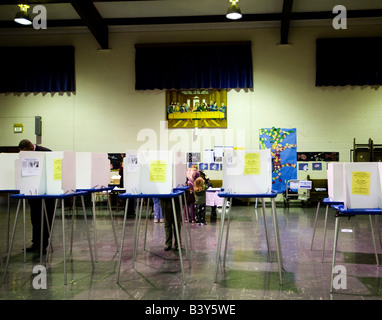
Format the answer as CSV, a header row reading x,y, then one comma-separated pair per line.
x,y
87,228
63,237
112,222
178,238
326,219
95,227
122,240
187,215
277,238
315,224
334,252
226,235
147,220
222,218
184,232
12,239
373,237
24,232
266,230
138,215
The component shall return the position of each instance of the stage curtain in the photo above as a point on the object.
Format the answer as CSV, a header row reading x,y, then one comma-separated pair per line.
x,y
37,69
349,61
193,66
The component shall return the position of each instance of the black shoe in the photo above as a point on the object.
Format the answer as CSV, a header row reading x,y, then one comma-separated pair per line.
x,y
34,249
167,248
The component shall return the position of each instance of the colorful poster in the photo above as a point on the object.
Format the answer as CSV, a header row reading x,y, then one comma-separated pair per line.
x,y
283,145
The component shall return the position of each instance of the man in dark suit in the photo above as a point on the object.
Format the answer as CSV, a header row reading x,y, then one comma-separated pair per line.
x,y
35,207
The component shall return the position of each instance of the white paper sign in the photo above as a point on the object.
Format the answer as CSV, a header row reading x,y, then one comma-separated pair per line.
x,y
30,167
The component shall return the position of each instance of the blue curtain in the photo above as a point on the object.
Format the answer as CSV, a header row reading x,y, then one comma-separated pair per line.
x,y
37,69
193,66
349,61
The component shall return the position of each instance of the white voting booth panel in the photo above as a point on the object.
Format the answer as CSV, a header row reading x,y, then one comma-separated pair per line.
x,y
7,171
60,172
336,183
131,171
92,170
362,182
248,172
31,173
179,169
139,175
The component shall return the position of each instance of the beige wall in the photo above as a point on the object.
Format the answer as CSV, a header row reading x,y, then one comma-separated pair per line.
x,y
106,114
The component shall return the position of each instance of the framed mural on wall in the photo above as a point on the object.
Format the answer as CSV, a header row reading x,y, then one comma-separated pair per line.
x,y
201,108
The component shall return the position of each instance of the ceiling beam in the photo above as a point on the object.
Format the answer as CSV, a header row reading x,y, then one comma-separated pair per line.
x,y
295,16
286,16
93,20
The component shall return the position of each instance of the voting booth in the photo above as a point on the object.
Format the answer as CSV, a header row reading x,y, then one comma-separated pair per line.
x,y
362,185
60,172
248,171
153,171
31,173
335,174
92,170
356,184
7,171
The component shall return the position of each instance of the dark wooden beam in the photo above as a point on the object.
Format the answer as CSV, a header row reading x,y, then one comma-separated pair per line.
x,y
32,2
91,17
286,16
295,16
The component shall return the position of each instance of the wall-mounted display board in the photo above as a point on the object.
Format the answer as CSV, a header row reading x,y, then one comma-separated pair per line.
x,y
248,171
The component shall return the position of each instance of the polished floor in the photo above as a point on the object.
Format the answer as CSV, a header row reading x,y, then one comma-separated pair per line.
x,y
157,275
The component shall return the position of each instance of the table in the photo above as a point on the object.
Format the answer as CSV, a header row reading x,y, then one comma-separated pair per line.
x,y
341,211
272,197
328,202
62,197
93,191
177,193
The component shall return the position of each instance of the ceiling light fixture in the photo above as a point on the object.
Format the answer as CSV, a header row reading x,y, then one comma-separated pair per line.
x,y
233,11
22,16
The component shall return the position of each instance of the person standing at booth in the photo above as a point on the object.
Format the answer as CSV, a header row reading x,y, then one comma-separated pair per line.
x,y
35,207
169,222
191,174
